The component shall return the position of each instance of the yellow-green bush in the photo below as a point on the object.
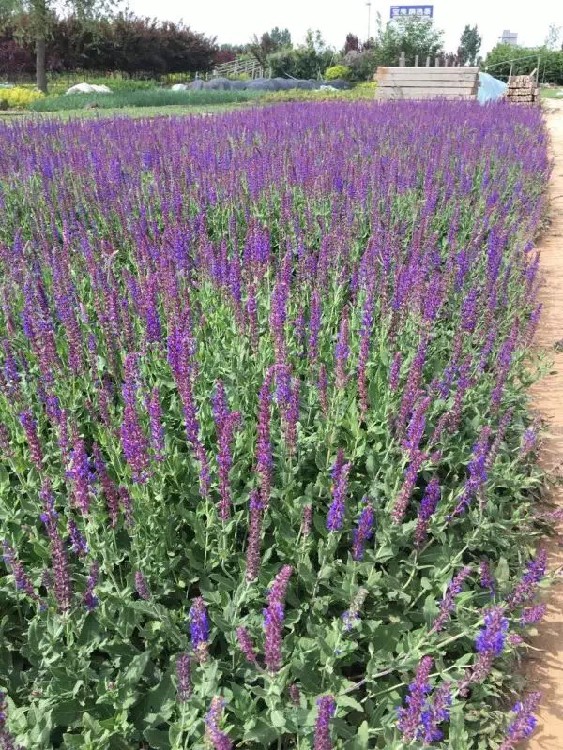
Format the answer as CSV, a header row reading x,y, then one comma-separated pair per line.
x,y
18,97
336,72
360,91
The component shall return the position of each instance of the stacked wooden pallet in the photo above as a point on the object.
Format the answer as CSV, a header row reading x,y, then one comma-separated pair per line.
x,y
522,89
426,83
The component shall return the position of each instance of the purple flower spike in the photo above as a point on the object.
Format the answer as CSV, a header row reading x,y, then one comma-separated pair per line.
x,y
254,536
410,717
22,580
141,586
524,723
246,646
214,735
437,712
351,616
428,506
364,531
325,711
29,425
335,517
77,540
273,620
89,599
155,424
533,615
526,588
199,628
486,577
492,638
448,602
183,677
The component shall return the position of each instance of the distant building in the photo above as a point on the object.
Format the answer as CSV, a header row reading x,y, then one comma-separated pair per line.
x,y
508,37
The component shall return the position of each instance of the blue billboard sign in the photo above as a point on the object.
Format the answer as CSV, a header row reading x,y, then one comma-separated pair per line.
x,y
402,11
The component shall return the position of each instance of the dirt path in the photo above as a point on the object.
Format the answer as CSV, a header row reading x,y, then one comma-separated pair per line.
x,y
545,670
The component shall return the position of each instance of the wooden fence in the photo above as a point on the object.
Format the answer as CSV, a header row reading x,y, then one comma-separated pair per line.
x,y
427,82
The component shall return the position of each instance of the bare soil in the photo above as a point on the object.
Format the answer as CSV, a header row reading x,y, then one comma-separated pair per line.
x,y
544,670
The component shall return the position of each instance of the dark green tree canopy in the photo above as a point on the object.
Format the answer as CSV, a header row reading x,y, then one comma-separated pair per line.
x,y
469,45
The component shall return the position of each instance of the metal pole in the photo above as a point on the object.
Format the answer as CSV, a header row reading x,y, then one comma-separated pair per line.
x,y
369,20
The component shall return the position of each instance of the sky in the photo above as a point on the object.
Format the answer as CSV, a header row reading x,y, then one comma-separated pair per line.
x,y
236,21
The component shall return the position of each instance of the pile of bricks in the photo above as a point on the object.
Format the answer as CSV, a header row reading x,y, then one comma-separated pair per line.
x,y
523,89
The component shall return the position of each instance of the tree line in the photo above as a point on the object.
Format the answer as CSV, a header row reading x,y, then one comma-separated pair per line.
x,y
125,43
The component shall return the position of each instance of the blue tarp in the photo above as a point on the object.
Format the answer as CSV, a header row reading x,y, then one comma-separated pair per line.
x,y
490,88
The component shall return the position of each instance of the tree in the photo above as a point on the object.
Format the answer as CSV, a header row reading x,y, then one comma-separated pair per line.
x,y
413,35
552,40
281,38
469,46
40,15
352,44
272,41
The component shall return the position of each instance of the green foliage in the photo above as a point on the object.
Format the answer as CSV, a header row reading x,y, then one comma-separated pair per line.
x,y
336,72
307,61
469,45
522,60
413,35
360,91
143,98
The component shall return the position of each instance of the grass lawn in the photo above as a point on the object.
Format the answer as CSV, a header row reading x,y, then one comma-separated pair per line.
x,y
549,93
170,110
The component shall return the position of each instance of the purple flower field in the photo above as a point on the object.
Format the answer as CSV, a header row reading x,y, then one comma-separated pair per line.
x,y
267,471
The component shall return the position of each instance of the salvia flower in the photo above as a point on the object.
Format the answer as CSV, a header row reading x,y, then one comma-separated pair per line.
x,y
492,637
213,733
22,580
410,716
59,561
264,461
351,616
524,723
337,509
254,536
486,577
326,708
448,602
533,615
273,620
306,521
477,469
428,505
409,483
322,386
225,461
80,475
133,438
526,588
437,712
77,540
141,586
89,599
155,424
29,424
246,646
294,694
183,677
529,440
199,628
363,531
342,352
395,371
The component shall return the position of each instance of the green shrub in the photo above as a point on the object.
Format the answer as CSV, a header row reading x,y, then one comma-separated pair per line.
x,y
151,98
336,72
